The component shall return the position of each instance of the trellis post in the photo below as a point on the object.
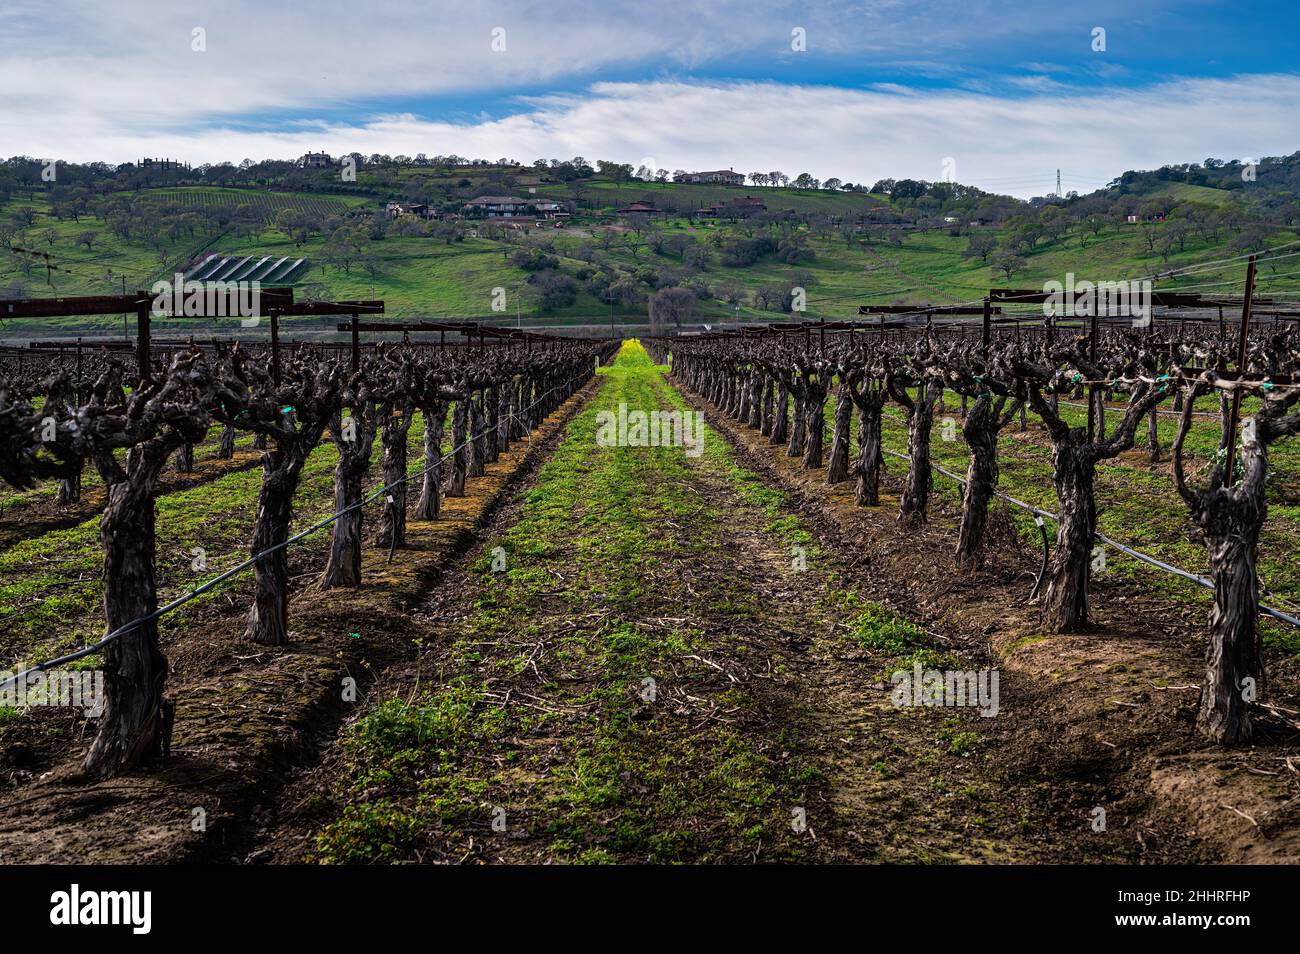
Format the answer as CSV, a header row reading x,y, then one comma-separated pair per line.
x,y
1241,371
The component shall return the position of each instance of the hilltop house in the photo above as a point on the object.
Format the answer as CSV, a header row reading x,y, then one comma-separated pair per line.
x,y
496,206
718,176
316,160
547,208
512,207
164,164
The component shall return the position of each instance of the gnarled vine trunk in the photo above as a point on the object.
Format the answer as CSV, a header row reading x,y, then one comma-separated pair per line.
x,y
871,456
798,427
459,453
429,505
1231,518
815,429
136,719
226,448
765,401
913,505
70,488
343,568
396,428
838,469
477,439
1065,603
268,618
781,420
981,433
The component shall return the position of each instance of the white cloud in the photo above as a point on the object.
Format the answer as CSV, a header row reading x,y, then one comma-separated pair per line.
x,y
1003,144
117,81
83,60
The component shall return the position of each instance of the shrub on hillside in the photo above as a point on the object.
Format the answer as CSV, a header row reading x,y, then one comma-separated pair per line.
x,y
533,260
557,289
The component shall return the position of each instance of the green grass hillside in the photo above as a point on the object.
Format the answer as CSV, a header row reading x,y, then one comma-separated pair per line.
x,y
429,276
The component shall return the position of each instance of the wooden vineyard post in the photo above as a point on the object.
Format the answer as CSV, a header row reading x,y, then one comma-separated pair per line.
x,y
988,323
1092,388
142,356
356,345
1241,372
275,347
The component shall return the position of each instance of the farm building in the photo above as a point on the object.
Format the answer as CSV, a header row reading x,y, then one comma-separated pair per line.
x,y
746,205
396,210
510,206
317,160
717,176
165,164
496,206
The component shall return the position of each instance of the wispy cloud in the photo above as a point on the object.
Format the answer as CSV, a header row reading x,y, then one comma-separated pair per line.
x,y
857,135
612,79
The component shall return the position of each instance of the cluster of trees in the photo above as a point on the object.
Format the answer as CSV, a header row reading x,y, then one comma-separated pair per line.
x,y
170,229
1164,225
129,433
681,262
781,389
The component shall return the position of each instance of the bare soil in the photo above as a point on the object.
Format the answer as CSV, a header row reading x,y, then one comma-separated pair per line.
x,y
246,716
1112,708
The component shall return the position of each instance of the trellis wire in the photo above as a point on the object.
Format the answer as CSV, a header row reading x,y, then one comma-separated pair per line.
x,y
198,591
1123,548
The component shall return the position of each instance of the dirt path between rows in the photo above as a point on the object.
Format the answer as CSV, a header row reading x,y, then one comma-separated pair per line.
x,y
635,654
247,717
1109,711
672,663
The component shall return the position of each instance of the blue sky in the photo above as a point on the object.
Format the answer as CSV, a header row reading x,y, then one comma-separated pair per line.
x,y
1010,91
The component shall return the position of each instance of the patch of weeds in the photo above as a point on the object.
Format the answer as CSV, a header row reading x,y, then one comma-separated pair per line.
x,y
959,742
449,723
963,743
367,832
877,628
